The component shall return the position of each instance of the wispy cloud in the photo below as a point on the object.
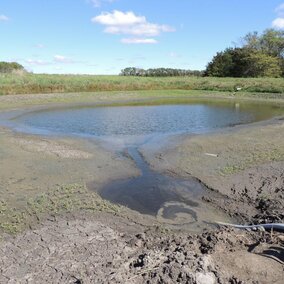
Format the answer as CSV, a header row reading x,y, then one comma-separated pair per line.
x,y
128,23
278,23
98,3
63,59
139,40
174,55
37,62
146,29
4,18
91,64
280,9
39,45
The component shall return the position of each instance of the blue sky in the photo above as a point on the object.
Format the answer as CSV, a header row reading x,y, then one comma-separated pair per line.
x,y
104,36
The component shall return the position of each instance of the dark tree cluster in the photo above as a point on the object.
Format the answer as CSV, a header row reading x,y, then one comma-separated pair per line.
x,y
259,56
10,67
159,72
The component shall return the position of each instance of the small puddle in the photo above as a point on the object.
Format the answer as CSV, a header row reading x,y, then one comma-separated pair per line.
x,y
173,201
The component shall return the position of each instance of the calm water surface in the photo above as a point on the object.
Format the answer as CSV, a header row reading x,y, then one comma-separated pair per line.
x,y
141,120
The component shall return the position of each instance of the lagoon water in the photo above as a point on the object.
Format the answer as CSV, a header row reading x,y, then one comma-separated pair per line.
x,y
137,120
171,117
172,200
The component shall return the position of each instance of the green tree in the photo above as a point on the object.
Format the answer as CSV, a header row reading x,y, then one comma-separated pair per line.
x,y
251,41
9,67
260,64
221,65
271,42
244,62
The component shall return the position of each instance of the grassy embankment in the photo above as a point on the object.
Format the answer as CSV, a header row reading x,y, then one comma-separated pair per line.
x,y
120,90
44,83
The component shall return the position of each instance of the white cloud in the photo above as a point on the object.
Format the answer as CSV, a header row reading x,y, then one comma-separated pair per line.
x,y
139,40
4,18
128,23
62,59
37,62
278,23
118,18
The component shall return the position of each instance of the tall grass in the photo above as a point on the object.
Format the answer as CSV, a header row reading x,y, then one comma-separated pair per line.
x,y
44,83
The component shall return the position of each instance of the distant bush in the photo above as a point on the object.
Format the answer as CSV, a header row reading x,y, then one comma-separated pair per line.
x,y
159,72
11,67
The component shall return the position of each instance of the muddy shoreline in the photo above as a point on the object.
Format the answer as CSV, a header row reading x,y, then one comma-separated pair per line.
x,y
245,164
77,237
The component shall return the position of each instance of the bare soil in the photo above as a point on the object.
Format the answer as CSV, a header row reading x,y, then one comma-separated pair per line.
x,y
33,164
104,248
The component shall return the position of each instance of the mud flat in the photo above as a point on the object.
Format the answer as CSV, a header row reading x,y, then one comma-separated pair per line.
x,y
245,164
55,230
33,164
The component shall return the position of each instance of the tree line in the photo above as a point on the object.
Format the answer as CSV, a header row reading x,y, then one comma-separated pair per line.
x,y
259,55
159,72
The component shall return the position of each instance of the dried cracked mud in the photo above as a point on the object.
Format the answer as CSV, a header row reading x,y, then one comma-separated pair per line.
x,y
108,249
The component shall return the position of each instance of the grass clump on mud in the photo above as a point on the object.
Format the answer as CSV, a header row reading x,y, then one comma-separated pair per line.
x,y
45,83
64,199
254,158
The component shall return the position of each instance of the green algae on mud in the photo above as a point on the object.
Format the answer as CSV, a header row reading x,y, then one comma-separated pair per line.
x,y
255,157
61,200
34,168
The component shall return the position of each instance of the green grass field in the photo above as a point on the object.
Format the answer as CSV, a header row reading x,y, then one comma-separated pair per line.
x,y
42,83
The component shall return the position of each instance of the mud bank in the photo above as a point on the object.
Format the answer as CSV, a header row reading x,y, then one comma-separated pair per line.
x,y
245,164
33,165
